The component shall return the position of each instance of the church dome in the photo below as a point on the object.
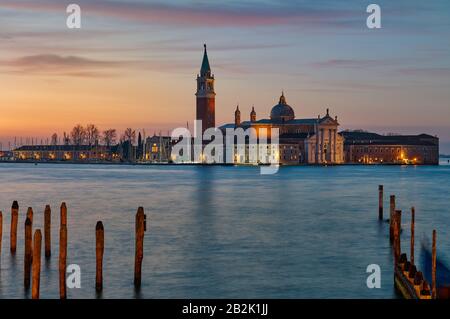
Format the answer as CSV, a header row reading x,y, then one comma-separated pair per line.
x,y
282,111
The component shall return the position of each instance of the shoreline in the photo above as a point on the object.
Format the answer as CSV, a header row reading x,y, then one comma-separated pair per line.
x,y
204,164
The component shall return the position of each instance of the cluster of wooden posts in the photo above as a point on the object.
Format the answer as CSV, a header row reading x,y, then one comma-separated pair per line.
x,y
408,280
33,247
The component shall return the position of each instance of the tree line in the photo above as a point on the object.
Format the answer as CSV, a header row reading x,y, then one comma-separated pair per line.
x,y
91,135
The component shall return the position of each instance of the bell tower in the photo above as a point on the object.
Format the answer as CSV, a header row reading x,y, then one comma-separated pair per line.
x,y
237,117
253,115
206,97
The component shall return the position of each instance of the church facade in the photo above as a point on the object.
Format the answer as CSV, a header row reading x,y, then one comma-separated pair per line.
x,y
301,141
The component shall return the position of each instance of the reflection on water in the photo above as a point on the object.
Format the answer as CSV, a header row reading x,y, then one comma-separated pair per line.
x,y
222,232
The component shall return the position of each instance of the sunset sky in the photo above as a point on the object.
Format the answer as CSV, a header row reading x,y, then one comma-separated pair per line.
x,y
134,63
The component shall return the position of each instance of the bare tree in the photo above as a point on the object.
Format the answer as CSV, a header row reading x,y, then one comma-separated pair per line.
x,y
92,134
109,137
78,135
130,136
54,140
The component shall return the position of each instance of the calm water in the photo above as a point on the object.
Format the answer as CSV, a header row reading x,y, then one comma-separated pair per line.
x,y
223,232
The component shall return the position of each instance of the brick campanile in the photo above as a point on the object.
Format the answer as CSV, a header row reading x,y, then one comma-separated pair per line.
x,y
206,97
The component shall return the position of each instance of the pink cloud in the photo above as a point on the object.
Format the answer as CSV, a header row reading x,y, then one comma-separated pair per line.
x,y
76,66
198,15
352,63
429,72
52,64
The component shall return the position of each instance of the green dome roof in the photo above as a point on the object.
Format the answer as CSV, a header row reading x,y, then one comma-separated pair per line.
x,y
282,111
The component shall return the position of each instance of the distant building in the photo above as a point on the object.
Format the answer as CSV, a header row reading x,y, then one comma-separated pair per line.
x,y
66,153
6,155
127,152
301,141
371,148
158,149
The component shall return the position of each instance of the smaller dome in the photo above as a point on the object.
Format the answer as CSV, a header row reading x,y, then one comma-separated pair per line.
x,y
282,111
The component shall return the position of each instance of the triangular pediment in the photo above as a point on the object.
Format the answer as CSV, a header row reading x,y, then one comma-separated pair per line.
x,y
327,120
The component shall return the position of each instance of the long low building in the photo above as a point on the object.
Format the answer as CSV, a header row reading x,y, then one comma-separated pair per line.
x,y
66,153
371,148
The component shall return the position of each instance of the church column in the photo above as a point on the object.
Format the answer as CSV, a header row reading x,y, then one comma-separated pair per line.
x,y
330,147
317,145
335,145
322,133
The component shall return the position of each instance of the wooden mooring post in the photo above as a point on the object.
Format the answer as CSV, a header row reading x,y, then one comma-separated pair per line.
x,y
413,222
380,202
139,255
27,256
1,233
409,281
398,223
63,251
99,250
30,217
63,214
391,218
14,222
35,288
47,231
396,240
30,214
433,267
426,290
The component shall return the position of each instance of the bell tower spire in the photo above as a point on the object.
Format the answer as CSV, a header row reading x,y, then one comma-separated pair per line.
x,y
206,96
237,116
206,68
253,115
